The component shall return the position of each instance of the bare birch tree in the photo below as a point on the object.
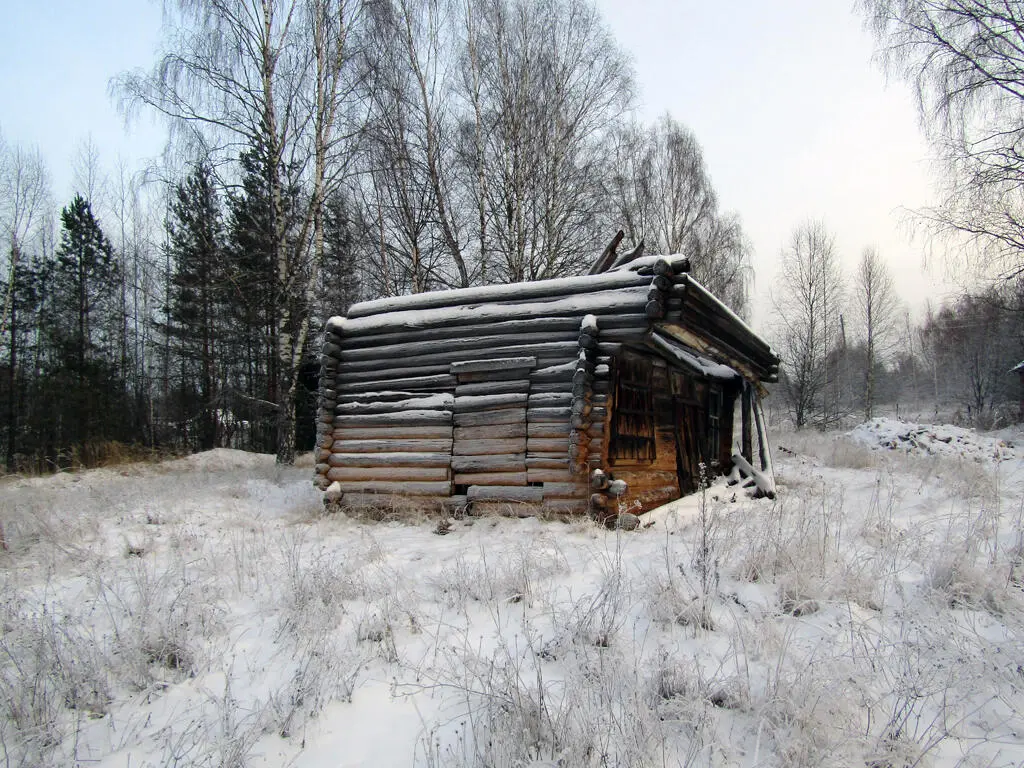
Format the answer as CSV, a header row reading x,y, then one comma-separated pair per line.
x,y
273,74
807,304
966,60
879,315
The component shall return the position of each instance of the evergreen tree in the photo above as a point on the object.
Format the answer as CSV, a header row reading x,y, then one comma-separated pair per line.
x,y
196,304
84,397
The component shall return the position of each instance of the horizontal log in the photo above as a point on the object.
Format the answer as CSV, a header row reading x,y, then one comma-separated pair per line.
x,y
481,377
453,352
526,494
492,387
411,445
332,349
430,431
549,400
440,402
586,341
407,474
405,459
384,396
548,475
321,468
472,403
560,372
491,432
503,463
544,387
536,291
501,363
489,447
490,478
410,418
398,332
546,444
413,379
324,440
394,487
547,429
552,455
547,414
599,501
329,363
485,418
566,489
654,310
544,462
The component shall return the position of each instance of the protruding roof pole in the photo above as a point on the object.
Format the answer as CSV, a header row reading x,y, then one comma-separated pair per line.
x,y
607,258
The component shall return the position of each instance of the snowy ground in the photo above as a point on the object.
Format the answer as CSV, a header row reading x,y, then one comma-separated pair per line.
x,y
203,613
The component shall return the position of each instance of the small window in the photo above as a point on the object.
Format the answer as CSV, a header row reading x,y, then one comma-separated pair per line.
x,y
632,438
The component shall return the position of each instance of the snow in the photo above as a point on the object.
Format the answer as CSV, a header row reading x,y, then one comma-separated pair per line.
x,y
692,359
490,293
934,440
206,612
629,298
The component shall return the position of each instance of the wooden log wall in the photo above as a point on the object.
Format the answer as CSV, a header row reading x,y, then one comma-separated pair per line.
x,y
493,395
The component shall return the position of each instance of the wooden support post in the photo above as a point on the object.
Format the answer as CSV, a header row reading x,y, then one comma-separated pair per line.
x,y
747,445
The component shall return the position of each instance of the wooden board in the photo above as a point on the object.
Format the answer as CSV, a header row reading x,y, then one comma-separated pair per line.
x,y
539,475
490,478
354,474
489,447
504,493
486,418
505,463
417,418
505,363
490,432
391,446
471,403
547,444
548,429
391,460
395,487
492,387
430,431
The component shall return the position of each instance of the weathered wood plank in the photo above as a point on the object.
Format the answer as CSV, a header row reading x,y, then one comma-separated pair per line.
x,y
541,475
403,331
609,282
544,387
501,363
503,463
410,418
489,447
411,445
548,429
481,377
398,459
490,478
430,431
548,414
566,489
549,399
454,353
526,494
407,474
414,379
492,387
442,402
491,432
394,487
545,462
470,403
484,418
547,444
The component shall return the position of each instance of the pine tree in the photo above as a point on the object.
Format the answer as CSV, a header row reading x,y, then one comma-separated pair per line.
x,y
196,304
85,397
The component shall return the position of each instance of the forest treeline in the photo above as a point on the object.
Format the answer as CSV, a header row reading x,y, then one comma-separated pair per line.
x,y
320,152
326,151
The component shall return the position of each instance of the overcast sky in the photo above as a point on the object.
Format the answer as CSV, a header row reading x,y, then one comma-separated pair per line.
x,y
795,119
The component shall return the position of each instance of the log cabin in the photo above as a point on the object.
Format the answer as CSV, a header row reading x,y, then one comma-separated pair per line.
x,y
615,391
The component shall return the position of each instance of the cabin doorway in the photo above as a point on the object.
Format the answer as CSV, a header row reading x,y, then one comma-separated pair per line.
x,y
688,429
